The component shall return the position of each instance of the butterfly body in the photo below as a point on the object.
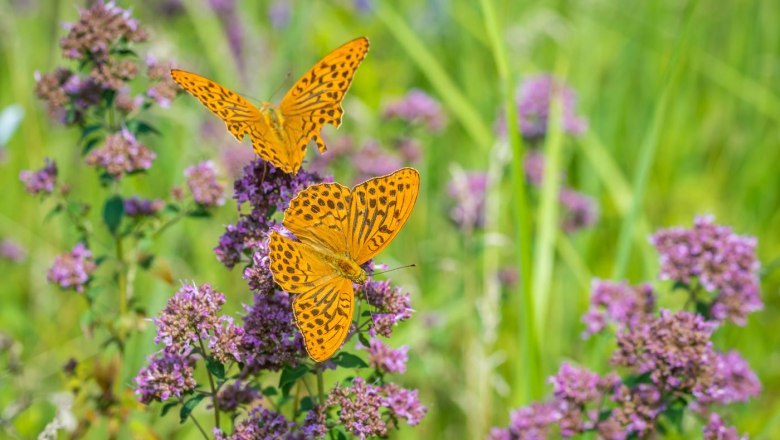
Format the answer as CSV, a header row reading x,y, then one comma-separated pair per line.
x,y
347,268
338,230
280,134
274,119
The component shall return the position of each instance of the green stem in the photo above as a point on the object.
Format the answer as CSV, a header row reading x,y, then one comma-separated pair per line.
x,y
111,117
450,92
183,213
200,428
120,256
529,375
320,386
647,153
211,384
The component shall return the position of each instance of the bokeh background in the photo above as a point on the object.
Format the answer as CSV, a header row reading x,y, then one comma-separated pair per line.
x,y
688,91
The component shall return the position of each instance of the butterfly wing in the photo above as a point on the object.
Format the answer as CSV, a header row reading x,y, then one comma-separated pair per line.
x,y
324,315
295,266
323,300
319,216
315,99
379,208
240,116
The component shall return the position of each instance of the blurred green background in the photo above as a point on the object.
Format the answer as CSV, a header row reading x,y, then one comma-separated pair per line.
x,y
695,86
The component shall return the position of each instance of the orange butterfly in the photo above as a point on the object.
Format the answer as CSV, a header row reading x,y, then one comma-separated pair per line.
x,y
339,229
281,134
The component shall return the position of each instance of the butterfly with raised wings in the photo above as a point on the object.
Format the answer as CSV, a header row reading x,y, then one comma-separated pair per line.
x,y
280,134
338,230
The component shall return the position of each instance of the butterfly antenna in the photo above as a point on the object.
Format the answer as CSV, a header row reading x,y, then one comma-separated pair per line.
x,y
396,268
286,78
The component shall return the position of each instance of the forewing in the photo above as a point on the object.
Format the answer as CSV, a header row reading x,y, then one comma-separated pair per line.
x,y
379,208
324,315
295,266
315,99
240,116
319,216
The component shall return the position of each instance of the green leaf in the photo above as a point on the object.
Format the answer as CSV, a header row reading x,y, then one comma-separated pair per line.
x,y
77,209
348,360
188,406
632,380
306,404
199,212
290,376
363,339
215,367
269,391
141,127
112,213
167,407
106,179
146,261
88,130
54,211
90,144
124,51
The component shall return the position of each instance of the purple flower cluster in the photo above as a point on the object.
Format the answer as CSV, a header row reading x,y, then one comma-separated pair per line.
x,y
528,423
191,316
417,107
164,89
98,30
720,260
271,341
167,375
202,181
392,303
715,429
190,321
261,423
733,380
467,190
579,210
267,190
636,413
72,270
533,107
365,409
12,251
675,349
578,400
669,357
138,207
236,394
627,306
385,359
372,160
533,167
120,154
100,40
41,181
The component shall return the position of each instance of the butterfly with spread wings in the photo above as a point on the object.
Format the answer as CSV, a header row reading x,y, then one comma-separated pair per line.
x,y
338,230
281,134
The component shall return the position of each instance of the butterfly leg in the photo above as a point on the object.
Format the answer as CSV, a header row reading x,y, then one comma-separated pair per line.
x,y
265,168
